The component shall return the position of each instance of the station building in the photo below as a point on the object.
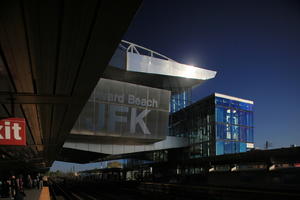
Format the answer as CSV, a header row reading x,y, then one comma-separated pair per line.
x,y
128,111
142,107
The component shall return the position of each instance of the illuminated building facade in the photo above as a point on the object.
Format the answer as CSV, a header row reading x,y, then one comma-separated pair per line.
x,y
180,100
219,124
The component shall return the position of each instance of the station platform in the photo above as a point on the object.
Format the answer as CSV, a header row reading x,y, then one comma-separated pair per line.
x,y
35,194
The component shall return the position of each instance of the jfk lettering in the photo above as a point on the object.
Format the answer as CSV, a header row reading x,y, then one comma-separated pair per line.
x,y
115,114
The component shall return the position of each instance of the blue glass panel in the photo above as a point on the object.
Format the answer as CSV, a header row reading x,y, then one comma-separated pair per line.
x,y
227,147
218,101
243,147
233,147
219,147
235,132
251,122
250,137
233,116
236,146
222,101
180,100
243,134
245,106
221,131
245,118
233,104
219,114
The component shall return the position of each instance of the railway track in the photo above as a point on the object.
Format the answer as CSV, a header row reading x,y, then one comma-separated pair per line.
x,y
59,192
163,191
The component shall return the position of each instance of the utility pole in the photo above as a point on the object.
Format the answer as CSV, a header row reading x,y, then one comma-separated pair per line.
x,y
268,144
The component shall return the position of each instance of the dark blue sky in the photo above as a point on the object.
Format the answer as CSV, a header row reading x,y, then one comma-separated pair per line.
x,y
254,46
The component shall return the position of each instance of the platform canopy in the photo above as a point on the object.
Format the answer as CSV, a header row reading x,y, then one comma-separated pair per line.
x,y
52,54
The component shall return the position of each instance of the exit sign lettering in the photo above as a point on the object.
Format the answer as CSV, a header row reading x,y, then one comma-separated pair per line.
x,y
13,131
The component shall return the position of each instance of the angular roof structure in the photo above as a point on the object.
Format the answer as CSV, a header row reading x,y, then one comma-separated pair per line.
x,y
136,64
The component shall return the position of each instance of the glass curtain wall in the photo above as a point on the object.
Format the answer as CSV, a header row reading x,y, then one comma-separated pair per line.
x,y
214,126
196,122
234,126
180,100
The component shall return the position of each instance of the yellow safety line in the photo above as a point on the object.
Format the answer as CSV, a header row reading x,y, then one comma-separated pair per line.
x,y
45,194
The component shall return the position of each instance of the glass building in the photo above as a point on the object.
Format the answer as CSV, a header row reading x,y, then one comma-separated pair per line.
x,y
180,100
216,125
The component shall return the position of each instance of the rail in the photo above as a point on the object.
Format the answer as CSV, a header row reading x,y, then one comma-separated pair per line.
x,y
216,191
57,190
134,48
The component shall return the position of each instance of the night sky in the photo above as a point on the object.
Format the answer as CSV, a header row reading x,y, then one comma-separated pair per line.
x,y
253,45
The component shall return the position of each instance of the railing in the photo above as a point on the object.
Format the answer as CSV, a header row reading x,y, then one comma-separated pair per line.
x,y
134,48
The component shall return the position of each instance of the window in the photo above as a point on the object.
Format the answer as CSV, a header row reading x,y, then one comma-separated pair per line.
x,y
219,147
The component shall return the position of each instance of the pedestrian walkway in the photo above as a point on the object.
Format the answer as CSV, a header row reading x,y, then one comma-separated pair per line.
x,y
34,194
45,194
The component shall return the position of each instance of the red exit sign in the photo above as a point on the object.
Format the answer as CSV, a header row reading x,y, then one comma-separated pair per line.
x,y
12,131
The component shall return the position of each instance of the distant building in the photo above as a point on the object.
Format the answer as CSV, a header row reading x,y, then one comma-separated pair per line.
x,y
216,125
